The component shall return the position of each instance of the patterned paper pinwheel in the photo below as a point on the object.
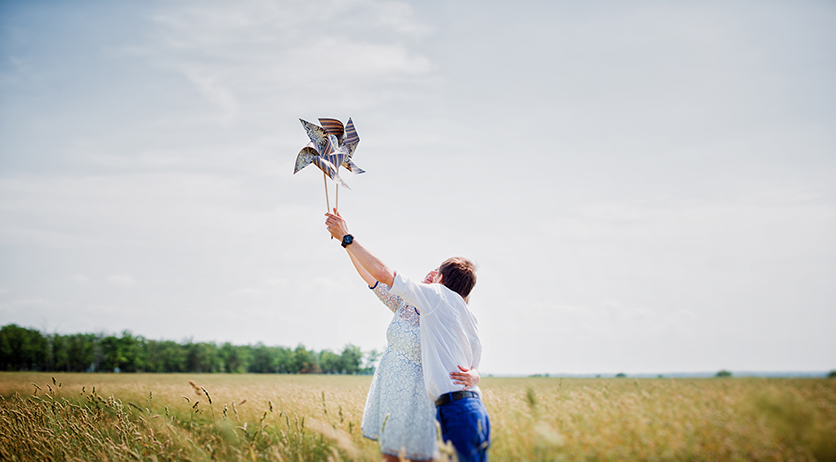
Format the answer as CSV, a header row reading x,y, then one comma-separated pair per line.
x,y
331,146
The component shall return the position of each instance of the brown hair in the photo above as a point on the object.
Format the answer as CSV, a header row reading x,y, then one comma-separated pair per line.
x,y
459,275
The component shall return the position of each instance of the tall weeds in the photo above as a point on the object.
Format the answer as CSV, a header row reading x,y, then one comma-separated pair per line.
x,y
272,418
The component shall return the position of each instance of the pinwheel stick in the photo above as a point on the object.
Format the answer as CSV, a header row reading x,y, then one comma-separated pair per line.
x,y
337,205
327,202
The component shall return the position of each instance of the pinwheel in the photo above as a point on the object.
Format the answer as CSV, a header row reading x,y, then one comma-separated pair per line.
x,y
331,146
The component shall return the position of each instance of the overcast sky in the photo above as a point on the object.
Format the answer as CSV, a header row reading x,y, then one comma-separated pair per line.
x,y
645,186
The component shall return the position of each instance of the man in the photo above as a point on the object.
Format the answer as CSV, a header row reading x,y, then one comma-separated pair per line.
x,y
449,339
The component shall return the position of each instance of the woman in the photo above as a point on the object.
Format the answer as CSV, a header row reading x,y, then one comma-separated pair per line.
x,y
398,412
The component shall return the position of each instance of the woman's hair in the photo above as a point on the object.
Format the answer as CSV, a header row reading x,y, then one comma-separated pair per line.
x,y
459,275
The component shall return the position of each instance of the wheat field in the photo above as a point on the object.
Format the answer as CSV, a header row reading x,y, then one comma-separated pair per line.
x,y
155,417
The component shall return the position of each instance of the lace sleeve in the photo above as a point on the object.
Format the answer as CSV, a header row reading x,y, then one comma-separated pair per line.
x,y
391,301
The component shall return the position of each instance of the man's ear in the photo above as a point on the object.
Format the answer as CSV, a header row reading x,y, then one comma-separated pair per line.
x,y
439,277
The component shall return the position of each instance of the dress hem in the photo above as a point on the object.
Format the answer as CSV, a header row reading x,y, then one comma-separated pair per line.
x,y
395,455
407,456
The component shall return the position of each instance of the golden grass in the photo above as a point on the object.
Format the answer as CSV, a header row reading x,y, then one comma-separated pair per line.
x,y
317,417
662,419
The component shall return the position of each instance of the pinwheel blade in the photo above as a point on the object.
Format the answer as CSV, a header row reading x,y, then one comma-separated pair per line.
x,y
351,136
352,167
317,135
336,154
333,127
350,142
329,169
305,157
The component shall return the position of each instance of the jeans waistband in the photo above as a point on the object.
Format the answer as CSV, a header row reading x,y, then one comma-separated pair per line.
x,y
454,396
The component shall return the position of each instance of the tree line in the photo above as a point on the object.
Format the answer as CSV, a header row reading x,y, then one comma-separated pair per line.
x,y
23,349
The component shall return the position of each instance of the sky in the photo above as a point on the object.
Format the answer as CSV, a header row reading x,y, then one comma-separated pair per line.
x,y
645,186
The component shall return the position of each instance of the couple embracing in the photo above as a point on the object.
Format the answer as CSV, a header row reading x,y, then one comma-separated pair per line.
x,y
429,369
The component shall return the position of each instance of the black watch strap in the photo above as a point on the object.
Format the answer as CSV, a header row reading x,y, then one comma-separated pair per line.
x,y
347,240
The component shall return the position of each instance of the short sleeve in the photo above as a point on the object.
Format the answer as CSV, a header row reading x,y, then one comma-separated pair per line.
x,y
389,299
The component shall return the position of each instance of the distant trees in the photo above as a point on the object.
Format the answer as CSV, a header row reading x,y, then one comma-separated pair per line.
x,y
723,373
23,349
235,358
620,375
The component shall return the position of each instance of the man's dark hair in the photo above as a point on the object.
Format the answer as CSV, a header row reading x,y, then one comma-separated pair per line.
x,y
459,275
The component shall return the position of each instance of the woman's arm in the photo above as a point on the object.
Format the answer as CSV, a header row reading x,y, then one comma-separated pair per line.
x,y
391,301
362,271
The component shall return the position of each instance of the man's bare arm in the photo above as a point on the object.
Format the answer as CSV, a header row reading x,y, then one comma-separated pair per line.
x,y
377,269
372,264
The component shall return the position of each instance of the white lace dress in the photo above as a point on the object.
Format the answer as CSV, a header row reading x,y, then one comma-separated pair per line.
x,y
398,412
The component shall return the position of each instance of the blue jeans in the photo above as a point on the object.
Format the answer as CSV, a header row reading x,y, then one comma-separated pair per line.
x,y
465,423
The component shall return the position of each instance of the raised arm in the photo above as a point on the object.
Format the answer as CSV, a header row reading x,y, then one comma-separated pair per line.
x,y
376,268
362,271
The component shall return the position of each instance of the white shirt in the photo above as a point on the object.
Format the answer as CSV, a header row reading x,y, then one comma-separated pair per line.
x,y
449,333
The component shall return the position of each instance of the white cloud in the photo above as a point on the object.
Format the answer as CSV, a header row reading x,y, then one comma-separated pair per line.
x,y
268,54
210,85
356,62
113,310
280,282
121,280
29,302
79,279
25,307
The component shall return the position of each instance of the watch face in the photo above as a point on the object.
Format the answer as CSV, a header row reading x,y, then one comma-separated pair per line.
x,y
347,239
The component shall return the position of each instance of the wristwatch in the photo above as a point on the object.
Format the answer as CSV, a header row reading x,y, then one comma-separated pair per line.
x,y
347,240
